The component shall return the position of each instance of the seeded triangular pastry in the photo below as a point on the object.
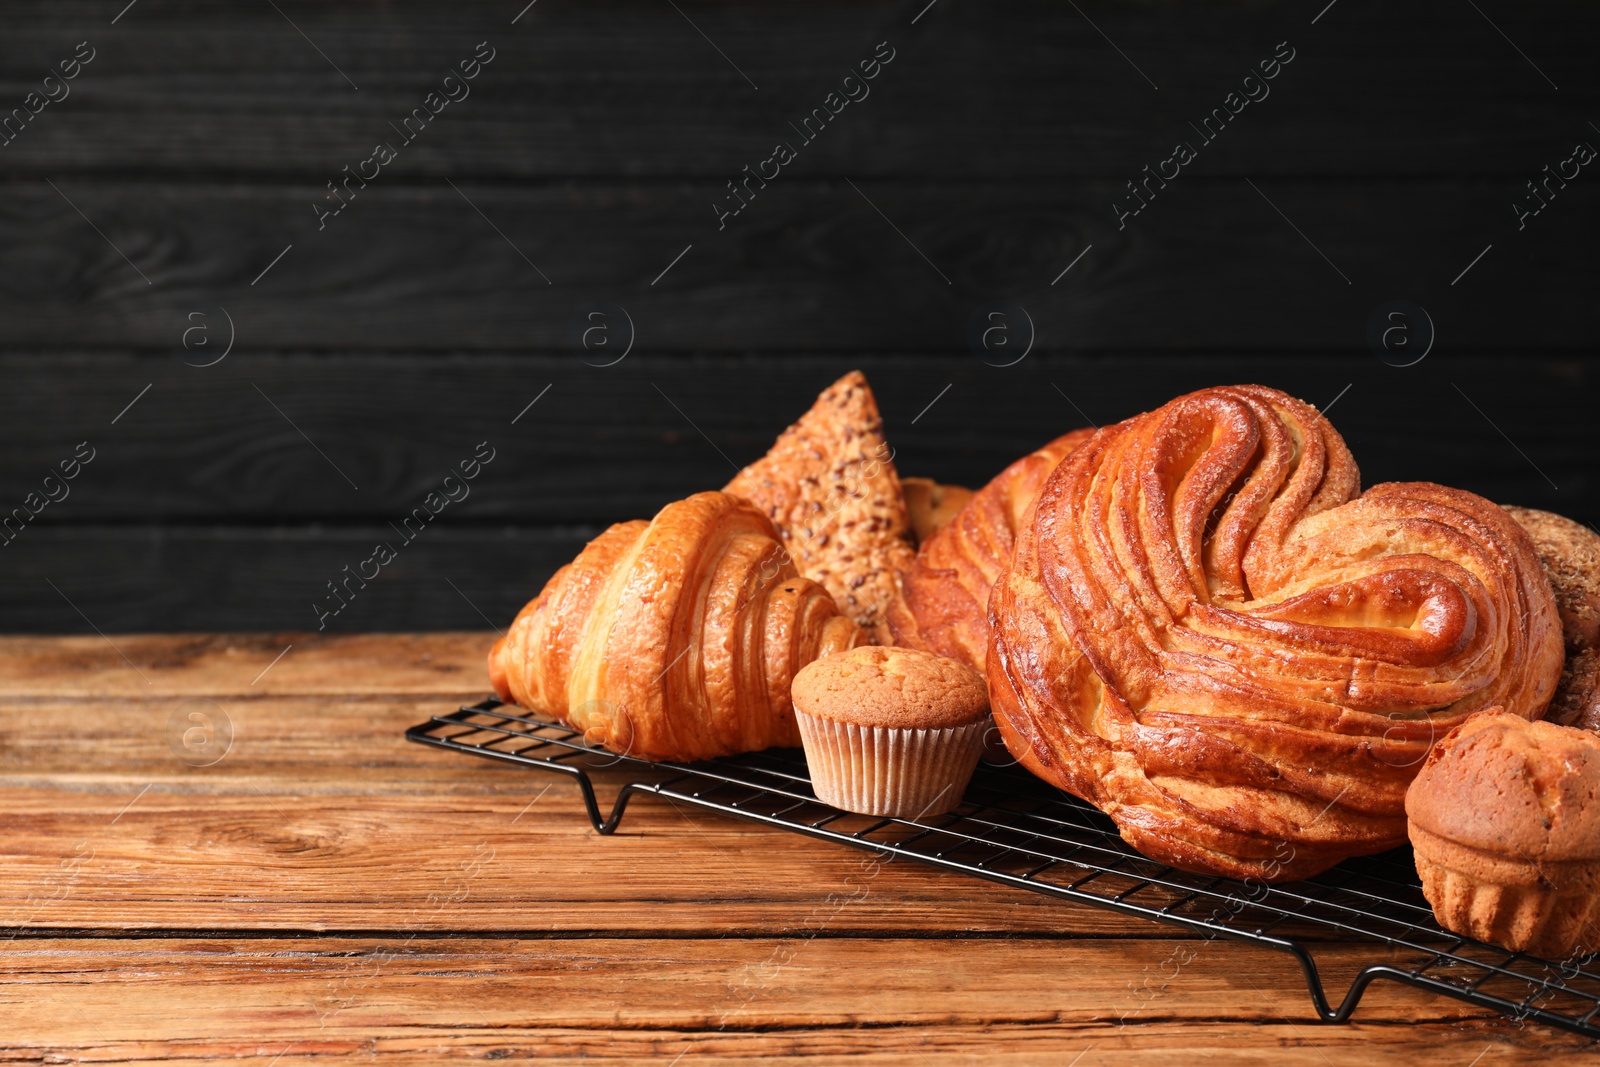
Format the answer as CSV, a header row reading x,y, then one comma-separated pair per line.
x,y
829,485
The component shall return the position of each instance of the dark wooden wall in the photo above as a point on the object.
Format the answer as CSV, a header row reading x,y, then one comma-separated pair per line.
x,y
451,291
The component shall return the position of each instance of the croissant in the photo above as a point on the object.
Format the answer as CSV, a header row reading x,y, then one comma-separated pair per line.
x,y
943,606
1209,633
675,638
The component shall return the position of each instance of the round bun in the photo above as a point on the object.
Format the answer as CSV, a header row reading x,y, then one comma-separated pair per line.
x,y
1577,699
931,505
1503,785
896,688
1570,552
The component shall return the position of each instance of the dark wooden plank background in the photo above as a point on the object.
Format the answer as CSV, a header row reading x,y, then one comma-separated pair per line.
x,y
452,290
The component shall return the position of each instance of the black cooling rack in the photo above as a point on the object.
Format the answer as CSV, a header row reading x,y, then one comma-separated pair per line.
x,y
1014,829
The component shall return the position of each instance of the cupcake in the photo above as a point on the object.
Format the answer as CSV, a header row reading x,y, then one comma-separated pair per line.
x,y
890,731
1505,822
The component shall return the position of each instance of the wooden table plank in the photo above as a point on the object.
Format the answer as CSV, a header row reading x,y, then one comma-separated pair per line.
x,y
813,269
132,545
725,999
349,827
322,817
626,88
442,861
329,889
452,665
562,465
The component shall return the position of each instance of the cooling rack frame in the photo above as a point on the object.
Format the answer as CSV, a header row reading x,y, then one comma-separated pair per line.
x,y
1373,900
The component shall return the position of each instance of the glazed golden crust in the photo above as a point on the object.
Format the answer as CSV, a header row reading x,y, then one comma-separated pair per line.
x,y
1206,632
943,606
1570,553
676,638
829,485
931,505
896,688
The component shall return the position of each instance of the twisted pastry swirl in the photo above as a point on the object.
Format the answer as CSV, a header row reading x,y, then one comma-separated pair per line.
x,y
943,606
1206,632
675,638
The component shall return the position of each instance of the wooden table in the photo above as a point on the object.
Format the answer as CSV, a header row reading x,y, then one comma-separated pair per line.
x,y
327,892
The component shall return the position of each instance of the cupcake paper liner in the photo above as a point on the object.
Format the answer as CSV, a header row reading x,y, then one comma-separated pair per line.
x,y
876,770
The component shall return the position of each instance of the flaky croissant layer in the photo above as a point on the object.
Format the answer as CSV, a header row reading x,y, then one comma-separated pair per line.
x,y
675,638
1208,633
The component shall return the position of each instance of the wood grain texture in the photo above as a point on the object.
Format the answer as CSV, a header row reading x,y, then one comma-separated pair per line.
x,y
313,895
200,139
876,1001
328,889
320,799
609,444
977,90
461,848
141,543
438,666
79,579
810,265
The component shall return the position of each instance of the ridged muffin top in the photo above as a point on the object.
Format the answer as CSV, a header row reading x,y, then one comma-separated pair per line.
x,y
1528,790
898,688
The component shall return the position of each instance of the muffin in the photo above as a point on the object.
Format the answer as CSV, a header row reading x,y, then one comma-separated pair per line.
x,y
1570,552
890,731
1505,822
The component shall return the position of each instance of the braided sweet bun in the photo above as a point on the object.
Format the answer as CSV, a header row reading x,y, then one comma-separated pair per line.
x,y
1205,631
674,639
943,606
